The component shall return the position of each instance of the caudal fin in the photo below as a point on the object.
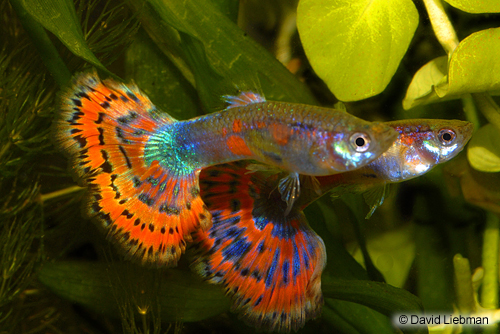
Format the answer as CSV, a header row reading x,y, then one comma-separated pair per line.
x,y
104,126
270,264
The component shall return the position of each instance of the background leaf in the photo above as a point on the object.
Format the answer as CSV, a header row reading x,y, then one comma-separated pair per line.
x,y
103,288
421,88
160,79
350,318
476,6
59,17
222,50
465,73
356,46
483,151
379,296
474,65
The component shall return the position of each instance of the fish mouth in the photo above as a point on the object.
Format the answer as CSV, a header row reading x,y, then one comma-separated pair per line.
x,y
466,132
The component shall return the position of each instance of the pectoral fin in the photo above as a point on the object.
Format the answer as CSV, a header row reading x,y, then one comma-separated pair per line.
x,y
375,197
289,188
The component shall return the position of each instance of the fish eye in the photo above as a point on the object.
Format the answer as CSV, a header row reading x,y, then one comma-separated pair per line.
x,y
447,136
360,142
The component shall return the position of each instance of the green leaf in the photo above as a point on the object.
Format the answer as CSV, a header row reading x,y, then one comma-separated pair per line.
x,y
59,17
107,288
474,65
356,46
230,53
377,296
476,6
421,89
381,297
229,8
350,318
483,151
473,68
160,79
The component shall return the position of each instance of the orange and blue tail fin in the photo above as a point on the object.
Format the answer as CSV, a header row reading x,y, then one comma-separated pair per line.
x,y
149,211
270,264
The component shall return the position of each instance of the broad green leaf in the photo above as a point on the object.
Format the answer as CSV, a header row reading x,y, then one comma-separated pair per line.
x,y
474,65
59,17
160,79
355,46
379,296
230,54
393,253
210,82
421,89
229,8
107,288
476,6
473,68
483,151
350,318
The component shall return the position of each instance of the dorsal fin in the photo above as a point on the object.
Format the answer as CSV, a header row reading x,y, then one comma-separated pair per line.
x,y
243,99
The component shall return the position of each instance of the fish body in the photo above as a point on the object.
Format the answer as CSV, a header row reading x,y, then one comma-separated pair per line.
x,y
142,166
271,263
297,138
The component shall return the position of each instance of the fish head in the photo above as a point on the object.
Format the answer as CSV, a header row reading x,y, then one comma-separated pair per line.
x,y
424,143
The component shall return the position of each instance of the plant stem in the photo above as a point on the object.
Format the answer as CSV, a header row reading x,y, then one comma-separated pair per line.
x,y
470,111
58,193
442,26
488,107
463,285
489,292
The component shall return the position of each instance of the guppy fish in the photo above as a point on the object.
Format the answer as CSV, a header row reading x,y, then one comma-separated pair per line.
x,y
271,264
142,166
